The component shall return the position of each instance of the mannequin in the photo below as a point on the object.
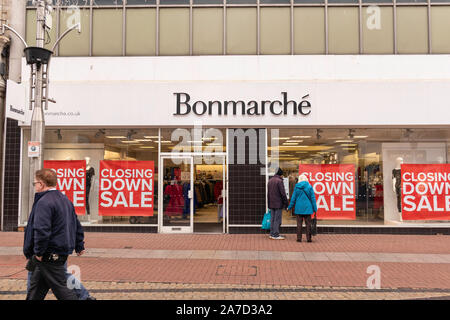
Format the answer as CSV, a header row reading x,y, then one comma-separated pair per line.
x,y
397,182
90,173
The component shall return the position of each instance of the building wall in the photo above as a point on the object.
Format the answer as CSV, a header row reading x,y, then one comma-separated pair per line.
x,y
148,28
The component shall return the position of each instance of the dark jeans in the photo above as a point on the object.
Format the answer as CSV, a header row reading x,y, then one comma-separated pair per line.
x,y
300,218
275,221
78,287
50,275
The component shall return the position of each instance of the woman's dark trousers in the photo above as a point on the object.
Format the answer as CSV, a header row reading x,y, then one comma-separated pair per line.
x,y
300,218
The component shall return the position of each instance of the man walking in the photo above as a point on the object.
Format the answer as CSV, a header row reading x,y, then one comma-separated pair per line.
x,y
277,201
53,232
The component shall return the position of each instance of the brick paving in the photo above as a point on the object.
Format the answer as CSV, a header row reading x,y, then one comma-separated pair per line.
x,y
159,266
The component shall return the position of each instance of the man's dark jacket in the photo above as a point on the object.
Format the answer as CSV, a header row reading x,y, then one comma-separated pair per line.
x,y
53,226
276,194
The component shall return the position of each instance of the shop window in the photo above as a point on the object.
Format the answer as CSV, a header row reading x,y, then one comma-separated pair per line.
x,y
187,140
343,1
96,201
375,156
412,1
141,2
343,28
412,30
107,2
30,37
141,32
378,30
74,44
309,1
241,31
67,3
207,31
173,2
174,31
377,1
309,30
241,1
208,1
440,29
107,32
275,30
208,177
275,1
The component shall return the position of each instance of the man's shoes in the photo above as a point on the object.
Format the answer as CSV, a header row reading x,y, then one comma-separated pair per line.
x,y
90,298
277,238
309,240
299,240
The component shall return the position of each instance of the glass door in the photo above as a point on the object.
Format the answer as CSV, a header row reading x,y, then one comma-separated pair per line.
x,y
176,200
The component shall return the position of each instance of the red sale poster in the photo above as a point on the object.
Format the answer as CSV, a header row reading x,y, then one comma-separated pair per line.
x,y
71,181
126,188
334,188
425,191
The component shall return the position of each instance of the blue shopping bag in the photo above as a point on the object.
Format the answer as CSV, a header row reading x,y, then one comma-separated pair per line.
x,y
266,221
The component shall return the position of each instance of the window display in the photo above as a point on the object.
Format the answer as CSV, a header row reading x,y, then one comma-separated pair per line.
x,y
378,157
90,147
359,176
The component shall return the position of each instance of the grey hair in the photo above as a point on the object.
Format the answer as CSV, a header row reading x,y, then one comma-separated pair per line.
x,y
302,177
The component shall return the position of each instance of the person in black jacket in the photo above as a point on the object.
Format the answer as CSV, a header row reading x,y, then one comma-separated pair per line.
x,y
277,201
53,232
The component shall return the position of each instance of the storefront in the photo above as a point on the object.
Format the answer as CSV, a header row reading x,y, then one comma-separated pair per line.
x,y
187,144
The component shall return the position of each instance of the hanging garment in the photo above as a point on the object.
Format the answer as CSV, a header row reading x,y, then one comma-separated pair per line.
x,y
176,200
218,192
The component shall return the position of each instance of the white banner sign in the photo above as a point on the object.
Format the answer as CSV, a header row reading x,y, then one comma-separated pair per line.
x,y
16,101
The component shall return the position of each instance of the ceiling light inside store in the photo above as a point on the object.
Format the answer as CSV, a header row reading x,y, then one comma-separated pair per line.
x,y
318,132
290,143
294,141
151,137
349,145
130,141
116,137
58,133
351,133
166,141
144,140
146,147
338,141
360,137
302,137
281,138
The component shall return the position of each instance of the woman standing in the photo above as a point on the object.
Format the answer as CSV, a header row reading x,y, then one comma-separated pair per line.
x,y
305,205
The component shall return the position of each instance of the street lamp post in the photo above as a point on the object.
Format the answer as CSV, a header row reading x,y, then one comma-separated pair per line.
x,y
38,57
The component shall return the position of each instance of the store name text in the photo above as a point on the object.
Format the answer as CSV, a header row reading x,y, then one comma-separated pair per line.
x,y
185,106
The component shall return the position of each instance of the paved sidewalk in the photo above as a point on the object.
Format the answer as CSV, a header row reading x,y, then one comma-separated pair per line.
x,y
158,266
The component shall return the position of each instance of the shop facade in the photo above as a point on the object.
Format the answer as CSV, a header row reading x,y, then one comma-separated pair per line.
x,y
187,144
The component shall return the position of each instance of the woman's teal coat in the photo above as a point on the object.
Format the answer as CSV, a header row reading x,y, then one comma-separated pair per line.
x,y
301,201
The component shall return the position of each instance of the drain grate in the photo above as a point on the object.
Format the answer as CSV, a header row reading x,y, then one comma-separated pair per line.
x,y
237,271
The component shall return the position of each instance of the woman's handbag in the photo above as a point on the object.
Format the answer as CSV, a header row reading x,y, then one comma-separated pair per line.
x,y
314,225
265,225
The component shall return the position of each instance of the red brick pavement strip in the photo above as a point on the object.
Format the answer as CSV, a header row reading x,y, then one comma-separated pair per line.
x,y
247,272
258,242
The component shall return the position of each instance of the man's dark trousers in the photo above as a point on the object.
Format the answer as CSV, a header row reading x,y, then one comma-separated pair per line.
x,y
300,218
50,275
275,221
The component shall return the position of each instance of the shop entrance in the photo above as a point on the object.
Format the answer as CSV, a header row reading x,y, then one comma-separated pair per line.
x,y
192,194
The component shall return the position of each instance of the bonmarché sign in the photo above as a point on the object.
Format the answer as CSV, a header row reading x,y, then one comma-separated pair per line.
x,y
186,105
